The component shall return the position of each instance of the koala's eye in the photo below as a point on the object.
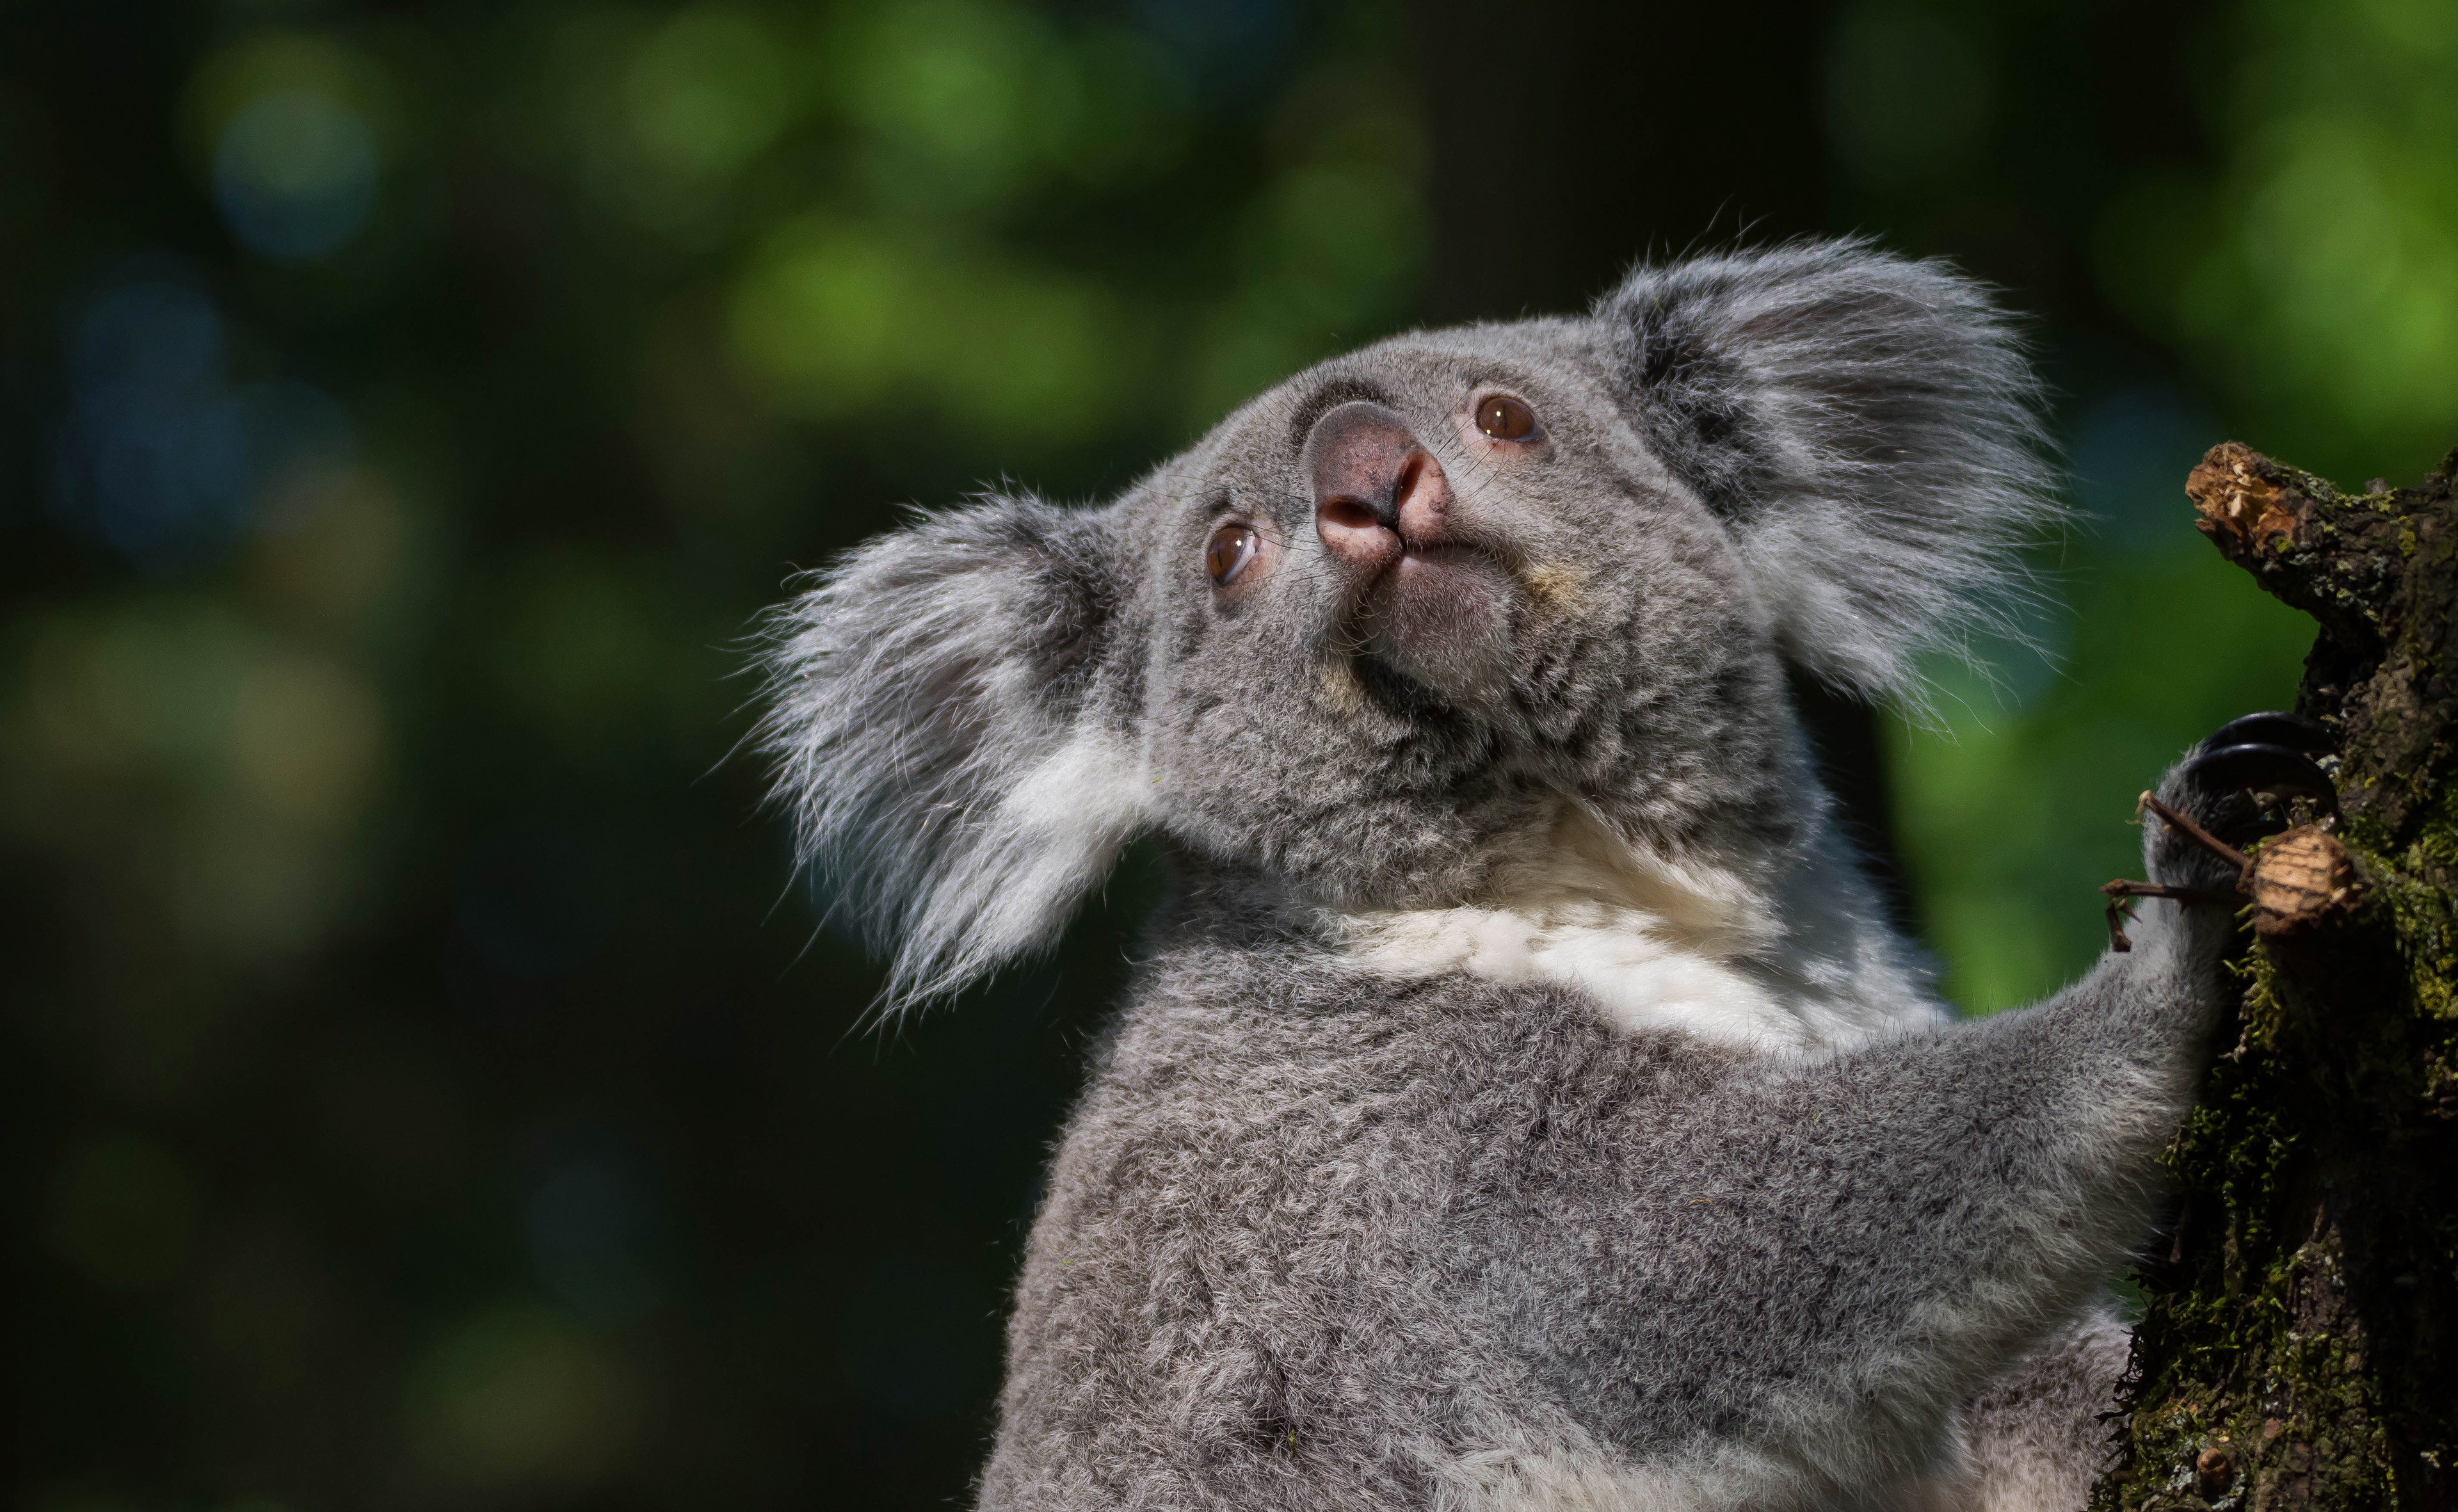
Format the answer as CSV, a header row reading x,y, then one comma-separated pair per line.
x,y
1232,547
1506,418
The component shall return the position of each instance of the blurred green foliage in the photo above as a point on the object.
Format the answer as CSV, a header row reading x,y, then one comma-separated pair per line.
x,y
430,1086
2303,275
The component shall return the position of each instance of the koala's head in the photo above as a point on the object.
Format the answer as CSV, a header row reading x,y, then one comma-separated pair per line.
x,y
1374,632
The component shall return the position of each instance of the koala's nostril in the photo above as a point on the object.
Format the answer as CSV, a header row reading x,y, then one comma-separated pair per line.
x,y
1353,534
1348,514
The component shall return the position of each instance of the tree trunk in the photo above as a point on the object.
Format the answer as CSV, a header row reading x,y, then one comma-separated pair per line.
x,y
2301,1347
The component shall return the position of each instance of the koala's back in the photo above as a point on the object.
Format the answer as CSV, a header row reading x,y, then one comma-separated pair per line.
x,y
1314,1228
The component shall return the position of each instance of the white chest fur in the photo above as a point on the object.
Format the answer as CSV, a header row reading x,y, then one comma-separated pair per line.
x,y
1666,946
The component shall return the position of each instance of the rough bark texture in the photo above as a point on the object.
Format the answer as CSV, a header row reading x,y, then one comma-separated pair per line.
x,y
2301,1347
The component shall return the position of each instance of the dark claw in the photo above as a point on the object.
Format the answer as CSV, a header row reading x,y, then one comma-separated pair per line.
x,y
2261,769
2257,768
2295,731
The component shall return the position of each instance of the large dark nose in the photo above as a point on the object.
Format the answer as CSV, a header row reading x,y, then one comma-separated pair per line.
x,y
1377,490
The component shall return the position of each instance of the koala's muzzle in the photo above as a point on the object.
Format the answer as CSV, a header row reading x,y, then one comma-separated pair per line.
x,y
1430,607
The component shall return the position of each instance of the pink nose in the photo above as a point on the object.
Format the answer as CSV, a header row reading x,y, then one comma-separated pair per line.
x,y
1377,492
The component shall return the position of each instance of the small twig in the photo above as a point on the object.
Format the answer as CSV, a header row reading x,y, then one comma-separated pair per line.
x,y
2121,892
2209,841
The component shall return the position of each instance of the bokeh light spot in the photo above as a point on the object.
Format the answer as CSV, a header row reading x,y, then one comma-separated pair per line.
x,y
705,92
823,314
158,456
140,694
306,737
295,175
842,319
518,1401
952,84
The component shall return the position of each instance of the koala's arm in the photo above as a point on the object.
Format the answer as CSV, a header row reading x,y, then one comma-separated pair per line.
x,y
1828,1257
1953,1194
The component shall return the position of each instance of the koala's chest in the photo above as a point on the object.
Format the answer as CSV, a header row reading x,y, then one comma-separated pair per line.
x,y
1351,1180
1644,972
1358,1109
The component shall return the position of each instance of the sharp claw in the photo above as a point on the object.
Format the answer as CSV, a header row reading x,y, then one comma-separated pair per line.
x,y
2294,732
2260,768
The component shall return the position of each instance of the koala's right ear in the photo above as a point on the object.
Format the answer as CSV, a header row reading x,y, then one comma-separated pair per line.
x,y
944,715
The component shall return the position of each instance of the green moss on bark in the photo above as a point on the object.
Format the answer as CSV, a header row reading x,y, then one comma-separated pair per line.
x,y
2298,1349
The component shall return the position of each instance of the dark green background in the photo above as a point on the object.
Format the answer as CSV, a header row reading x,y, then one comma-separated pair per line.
x,y
428,1084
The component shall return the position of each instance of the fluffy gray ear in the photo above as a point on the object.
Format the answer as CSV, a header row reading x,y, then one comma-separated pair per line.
x,y
1866,425
944,718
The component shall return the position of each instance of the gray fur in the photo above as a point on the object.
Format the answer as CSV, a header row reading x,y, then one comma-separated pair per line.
x,y
1355,1215
1871,420
921,688
2039,1435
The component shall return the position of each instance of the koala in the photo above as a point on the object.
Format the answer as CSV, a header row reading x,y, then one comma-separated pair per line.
x,y
1523,1100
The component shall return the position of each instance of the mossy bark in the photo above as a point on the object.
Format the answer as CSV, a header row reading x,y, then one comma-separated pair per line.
x,y
2300,1346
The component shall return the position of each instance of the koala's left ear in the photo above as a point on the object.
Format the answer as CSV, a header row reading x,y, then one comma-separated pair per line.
x,y
1866,424
945,711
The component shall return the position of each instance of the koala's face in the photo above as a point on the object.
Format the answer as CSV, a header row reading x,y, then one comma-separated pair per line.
x,y
1373,633
1412,601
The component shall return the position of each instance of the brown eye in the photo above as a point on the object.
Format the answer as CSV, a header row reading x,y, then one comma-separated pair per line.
x,y
1232,547
1506,418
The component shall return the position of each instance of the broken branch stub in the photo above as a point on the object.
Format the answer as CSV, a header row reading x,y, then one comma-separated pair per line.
x,y
2378,572
2302,880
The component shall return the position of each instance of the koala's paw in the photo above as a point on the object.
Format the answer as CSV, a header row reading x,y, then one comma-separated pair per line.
x,y
2238,785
